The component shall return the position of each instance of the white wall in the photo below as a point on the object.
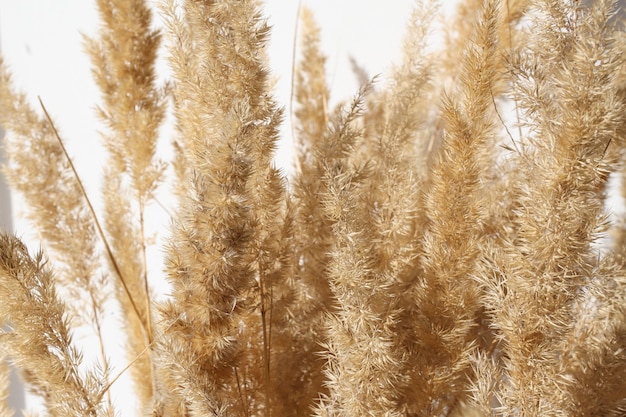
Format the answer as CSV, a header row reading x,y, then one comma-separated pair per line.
x,y
41,42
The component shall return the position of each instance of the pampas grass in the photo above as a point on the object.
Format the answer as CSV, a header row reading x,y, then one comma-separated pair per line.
x,y
432,255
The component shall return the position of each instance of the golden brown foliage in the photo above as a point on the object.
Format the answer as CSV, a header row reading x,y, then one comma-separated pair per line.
x,y
133,110
38,339
431,256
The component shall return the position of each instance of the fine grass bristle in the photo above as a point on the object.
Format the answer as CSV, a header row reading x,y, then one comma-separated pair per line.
x,y
442,249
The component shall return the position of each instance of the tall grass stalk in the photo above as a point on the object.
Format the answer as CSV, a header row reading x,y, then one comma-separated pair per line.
x,y
432,255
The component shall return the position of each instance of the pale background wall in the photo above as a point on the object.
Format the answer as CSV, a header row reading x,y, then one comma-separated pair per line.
x,y
41,41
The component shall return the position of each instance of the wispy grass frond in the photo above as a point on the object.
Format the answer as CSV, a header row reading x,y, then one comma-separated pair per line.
x,y
38,337
446,311
363,363
569,98
57,205
133,108
39,170
443,248
225,246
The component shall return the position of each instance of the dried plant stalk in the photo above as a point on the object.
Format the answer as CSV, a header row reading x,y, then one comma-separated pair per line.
x,y
57,205
124,68
39,340
426,259
549,267
446,300
39,169
224,250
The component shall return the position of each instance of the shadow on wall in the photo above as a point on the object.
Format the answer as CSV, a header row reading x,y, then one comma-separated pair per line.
x,y
16,393
5,199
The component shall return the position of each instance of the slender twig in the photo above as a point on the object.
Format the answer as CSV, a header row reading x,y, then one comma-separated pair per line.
x,y
132,362
123,371
244,406
105,362
495,107
95,217
163,207
145,265
293,79
266,353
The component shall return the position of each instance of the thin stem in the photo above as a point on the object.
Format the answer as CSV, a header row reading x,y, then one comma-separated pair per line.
x,y
127,367
517,115
293,79
244,406
105,362
145,281
95,218
145,265
495,107
160,204
266,353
